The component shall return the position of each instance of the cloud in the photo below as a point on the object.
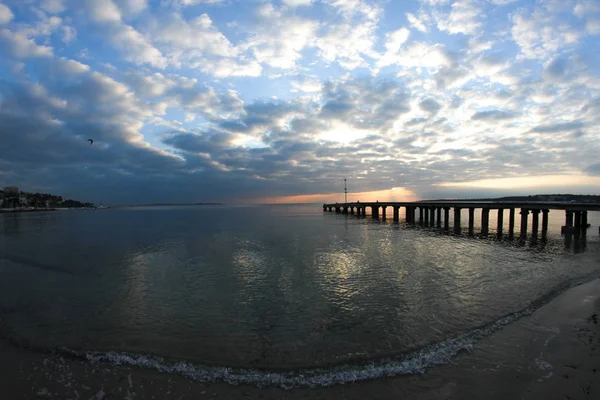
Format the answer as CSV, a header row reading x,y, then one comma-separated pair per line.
x,y
430,105
247,100
69,33
419,54
592,26
494,115
132,7
6,14
307,84
279,40
558,127
538,34
593,169
137,48
53,6
417,23
297,3
350,41
556,67
187,3
19,46
103,11
393,43
463,18
186,40
585,7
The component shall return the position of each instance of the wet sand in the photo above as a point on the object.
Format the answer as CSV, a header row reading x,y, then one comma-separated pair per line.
x,y
552,354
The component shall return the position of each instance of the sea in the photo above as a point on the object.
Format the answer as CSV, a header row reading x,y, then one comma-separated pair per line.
x,y
272,295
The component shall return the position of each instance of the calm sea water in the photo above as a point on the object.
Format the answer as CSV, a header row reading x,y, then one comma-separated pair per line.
x,y
266,288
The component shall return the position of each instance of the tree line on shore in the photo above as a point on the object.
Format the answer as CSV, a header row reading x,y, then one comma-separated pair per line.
x,y
41,200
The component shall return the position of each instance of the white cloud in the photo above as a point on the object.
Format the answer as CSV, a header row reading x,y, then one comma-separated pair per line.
x,y
6,14
186,40
349,41
69,33
586,7
225,67
592,26
502,2
53,6
395,40
297,3
20,46
72,67
132,7
279,40
307,84
423,55
539,35
137,48
187,3
463,18
417,23
393,43
46,26
104,11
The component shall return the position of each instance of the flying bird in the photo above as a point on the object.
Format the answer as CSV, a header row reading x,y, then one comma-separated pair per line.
x,y
91,141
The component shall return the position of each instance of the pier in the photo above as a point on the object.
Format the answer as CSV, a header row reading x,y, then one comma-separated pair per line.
x,y
437,214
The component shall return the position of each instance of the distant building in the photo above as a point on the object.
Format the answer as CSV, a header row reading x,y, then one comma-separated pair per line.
x,y
11,191
11,197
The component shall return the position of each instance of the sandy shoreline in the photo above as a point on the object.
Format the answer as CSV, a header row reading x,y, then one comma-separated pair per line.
x,y
553,354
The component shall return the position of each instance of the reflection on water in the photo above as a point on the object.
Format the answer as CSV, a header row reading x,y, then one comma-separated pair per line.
x,y
272,287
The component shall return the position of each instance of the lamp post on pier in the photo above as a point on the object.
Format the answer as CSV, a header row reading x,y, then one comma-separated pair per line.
x,y
345,192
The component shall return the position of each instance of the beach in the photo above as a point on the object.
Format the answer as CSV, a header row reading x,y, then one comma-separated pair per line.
x,y
552,354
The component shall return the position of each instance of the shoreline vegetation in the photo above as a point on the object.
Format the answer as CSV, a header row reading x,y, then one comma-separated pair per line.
x,y
20,201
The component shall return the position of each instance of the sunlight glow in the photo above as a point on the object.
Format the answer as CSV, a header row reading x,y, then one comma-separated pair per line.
x,y
343,133
392,194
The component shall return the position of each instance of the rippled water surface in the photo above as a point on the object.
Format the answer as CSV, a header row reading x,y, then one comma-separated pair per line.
x,y
264,286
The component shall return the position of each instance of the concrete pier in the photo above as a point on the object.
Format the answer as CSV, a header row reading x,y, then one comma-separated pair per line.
x,y
511,223
568,218
524,214
430,215
535,221
577,215
457,220
500,222
485,221
471,221
544,224
447,218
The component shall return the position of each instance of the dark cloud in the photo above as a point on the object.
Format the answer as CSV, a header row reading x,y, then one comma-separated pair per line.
x,y
494,115
557,67
593,169
430,105
558,127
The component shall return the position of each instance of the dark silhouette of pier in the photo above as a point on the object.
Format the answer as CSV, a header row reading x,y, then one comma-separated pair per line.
x,y
437,214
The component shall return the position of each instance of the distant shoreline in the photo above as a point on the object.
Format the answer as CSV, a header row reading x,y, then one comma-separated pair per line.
x,y
24,210
169,205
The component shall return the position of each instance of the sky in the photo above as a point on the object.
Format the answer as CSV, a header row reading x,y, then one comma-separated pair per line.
x,y
280,101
